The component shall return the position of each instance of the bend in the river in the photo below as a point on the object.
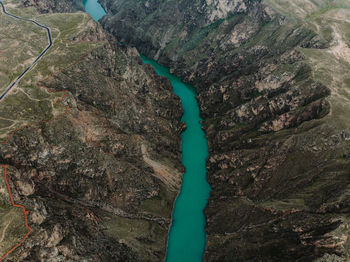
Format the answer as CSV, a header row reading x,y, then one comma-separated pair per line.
x,y
187,238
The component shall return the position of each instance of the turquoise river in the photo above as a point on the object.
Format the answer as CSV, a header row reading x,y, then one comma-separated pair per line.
x,y
187,236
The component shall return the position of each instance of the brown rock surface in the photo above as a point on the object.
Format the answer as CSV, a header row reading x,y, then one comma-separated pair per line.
x,y
275,114
82,174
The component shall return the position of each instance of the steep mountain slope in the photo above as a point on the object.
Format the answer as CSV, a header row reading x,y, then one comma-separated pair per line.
x,y
91,138
273,90
63,6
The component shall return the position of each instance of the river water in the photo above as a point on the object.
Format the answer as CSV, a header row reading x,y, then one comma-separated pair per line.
x,y
187,238
94,9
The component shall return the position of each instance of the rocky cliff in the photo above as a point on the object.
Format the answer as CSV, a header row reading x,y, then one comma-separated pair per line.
x,y
63,6
273,91
91,138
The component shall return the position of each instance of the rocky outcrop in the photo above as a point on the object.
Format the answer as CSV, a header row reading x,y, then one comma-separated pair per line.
x,y
277,156
90,178
63,6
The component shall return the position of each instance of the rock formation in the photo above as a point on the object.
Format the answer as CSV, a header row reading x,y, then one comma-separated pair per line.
x,y
96,158
274,97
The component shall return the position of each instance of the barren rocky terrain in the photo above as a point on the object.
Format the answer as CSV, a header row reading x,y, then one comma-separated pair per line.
x,y
272,78
91,138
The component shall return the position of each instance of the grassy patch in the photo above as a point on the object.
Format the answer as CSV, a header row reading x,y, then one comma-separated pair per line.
x,y
147,238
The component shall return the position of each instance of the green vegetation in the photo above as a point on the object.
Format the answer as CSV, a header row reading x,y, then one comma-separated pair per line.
x,y
160,204
12,226
199,35
20,44
29,102
145,237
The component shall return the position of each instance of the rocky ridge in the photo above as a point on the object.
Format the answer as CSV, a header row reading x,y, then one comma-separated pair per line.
x,y
275,115
85,174
63,6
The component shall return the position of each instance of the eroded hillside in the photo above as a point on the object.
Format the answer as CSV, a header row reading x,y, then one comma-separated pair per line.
x,y
273,87
91,138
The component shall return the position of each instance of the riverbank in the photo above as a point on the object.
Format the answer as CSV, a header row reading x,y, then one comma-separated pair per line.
x,y
187,237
